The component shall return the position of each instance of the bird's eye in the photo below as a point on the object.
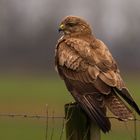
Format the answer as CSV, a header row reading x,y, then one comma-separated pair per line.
x,y
71,24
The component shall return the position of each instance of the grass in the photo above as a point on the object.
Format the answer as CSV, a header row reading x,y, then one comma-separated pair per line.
x,y
30,94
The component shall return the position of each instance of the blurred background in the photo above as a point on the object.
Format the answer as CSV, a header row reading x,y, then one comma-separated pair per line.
x,y
28,81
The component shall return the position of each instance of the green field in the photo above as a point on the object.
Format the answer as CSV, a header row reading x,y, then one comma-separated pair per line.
x,y
30,94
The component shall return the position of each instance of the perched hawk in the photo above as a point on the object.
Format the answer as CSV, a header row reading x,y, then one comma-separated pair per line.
x,y
91,74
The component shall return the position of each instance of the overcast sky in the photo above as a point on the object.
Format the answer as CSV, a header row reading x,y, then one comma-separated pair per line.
x,y
33,21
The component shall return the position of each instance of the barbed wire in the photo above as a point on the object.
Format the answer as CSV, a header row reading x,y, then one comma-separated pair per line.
x,y
63,118
12,115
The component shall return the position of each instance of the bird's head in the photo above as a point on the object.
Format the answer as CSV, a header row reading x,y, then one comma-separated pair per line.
x,y
72,25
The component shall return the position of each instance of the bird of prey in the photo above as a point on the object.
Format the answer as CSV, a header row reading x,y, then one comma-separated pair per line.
x,y
91,74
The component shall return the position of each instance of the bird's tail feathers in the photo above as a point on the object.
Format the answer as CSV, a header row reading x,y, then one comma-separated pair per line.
x,y
124,93
117,107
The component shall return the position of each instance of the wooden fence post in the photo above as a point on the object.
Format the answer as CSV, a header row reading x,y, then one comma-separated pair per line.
x,y
78,125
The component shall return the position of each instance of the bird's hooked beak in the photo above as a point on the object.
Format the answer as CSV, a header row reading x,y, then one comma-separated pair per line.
x,y
61,27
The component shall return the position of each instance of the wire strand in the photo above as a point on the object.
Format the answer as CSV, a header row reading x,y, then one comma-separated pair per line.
x,y
36,116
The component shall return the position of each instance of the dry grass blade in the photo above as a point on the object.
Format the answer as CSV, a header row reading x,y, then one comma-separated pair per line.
x,y
53,125
46,132
63,127
135,127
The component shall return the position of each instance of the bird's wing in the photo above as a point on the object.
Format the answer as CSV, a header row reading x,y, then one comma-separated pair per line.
x,y
91,63
110,74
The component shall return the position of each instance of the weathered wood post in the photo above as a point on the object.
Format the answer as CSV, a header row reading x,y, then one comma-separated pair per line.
x,y
78,125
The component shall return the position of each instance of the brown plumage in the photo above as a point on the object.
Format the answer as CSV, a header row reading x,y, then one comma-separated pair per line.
x,y
91,74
